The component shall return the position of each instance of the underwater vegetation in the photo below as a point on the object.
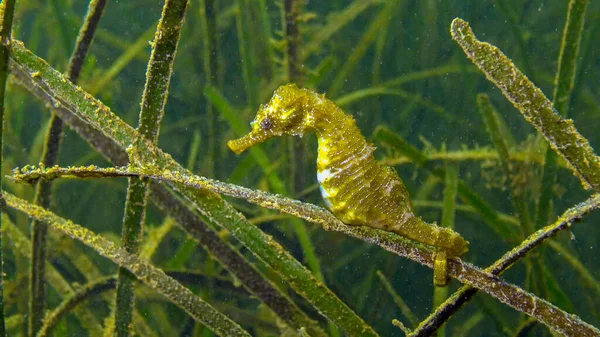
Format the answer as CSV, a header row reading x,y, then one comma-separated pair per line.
x,y
124,211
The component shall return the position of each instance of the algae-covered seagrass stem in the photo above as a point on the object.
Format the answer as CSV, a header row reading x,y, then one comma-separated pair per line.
x,y
466,273
531,102
50,156
153,277
154,100
70,101
203,232
566,323
354,186
7,9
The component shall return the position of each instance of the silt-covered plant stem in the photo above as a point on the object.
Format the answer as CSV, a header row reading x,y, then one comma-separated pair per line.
x,y
464,294
7,9
150,275
205,231
470,275
50,154
564,83
532,103
154,100
50,86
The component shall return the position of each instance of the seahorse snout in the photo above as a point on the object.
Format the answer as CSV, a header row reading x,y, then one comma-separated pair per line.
x,y
242,144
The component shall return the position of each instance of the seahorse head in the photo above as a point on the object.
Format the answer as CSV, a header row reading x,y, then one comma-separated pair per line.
x,y
283,115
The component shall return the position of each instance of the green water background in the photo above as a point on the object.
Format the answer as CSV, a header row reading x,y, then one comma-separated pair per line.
x,y
436,113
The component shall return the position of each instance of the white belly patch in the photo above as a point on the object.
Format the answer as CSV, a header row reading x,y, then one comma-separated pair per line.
x,y
325,196
322,175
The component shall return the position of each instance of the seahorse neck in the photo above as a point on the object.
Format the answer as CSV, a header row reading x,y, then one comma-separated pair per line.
x,y
338,136
325,118
328,123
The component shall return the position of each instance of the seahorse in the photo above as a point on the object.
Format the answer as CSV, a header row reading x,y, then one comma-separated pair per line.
x,y
354,186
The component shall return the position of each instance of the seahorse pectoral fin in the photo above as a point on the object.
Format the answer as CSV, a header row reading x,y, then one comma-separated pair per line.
x,y
254,137
440,268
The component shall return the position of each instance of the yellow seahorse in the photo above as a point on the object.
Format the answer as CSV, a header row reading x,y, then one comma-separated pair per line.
x,y
354,186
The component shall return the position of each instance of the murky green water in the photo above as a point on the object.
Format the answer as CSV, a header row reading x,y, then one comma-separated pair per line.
x,y
391,64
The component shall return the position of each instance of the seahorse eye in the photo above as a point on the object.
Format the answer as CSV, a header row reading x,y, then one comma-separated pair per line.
x,y
266,123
